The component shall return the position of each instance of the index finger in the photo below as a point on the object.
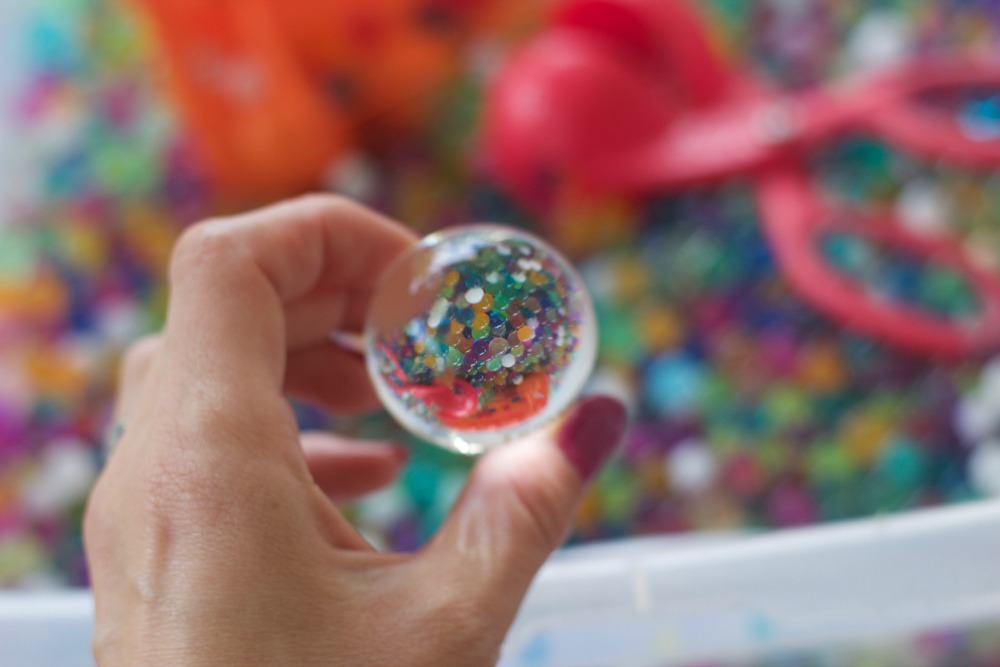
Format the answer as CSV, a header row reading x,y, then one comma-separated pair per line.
x,y
231,278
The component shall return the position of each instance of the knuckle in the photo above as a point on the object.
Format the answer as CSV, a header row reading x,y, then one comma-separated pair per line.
x,y
319,204
204,245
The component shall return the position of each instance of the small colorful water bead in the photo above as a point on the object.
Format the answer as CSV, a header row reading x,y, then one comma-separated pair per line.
x,y
478,335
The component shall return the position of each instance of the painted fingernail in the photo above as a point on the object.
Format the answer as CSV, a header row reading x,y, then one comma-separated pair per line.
x,y
591,433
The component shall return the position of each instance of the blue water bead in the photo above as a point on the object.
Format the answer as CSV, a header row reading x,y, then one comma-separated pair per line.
x,y
54,44
851,255
674,383
980,119
901,279
497,323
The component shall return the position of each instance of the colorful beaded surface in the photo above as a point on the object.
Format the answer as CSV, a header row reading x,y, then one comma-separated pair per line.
x,y
750,409
479,334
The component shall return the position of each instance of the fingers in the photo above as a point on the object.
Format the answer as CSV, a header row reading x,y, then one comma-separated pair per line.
x,y
326,374
348,469
231,279
311,319
519,503
332,377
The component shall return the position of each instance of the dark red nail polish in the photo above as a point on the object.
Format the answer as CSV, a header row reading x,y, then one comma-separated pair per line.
x,y
591,433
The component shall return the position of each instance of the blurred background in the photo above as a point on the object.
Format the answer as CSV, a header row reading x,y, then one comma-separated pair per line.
x,y
752,409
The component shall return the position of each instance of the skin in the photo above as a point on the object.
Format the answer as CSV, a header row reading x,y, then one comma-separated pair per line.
x,y
212,534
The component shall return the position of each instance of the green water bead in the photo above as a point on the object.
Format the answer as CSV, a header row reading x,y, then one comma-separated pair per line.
x,y
830,462
786,406
947,292
903,463
454,358
619,336
619,494
420,479
19,251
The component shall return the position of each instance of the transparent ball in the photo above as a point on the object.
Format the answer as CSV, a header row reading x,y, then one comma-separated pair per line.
x,y
478,335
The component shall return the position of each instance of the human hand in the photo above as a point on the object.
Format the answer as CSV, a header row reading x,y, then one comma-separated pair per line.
x,y
211,534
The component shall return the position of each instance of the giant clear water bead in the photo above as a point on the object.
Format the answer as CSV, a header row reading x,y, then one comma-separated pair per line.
x,y
478,335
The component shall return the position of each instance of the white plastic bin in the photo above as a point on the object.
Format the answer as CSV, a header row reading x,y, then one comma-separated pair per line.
x,y
676,601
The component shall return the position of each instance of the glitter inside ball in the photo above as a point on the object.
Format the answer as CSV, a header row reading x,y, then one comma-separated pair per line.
x,y
478,335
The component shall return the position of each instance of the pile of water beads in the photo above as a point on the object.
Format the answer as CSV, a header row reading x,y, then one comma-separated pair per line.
x,y
749,408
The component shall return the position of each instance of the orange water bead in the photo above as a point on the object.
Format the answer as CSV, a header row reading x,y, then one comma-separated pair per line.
x,y
631,279
588,513
659,327
537,278
42,298
866,433
481,321
55,373
652,479
484,305
822,369
525,333
84,246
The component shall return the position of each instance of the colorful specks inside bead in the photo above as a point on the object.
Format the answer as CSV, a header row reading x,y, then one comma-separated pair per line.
x,y
472,341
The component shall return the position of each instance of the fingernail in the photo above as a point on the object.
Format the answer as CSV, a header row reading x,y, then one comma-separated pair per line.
x,y
349,342
591,433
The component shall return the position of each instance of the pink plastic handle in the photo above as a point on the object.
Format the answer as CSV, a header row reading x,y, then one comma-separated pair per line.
x,y
795,216
667,37
927,132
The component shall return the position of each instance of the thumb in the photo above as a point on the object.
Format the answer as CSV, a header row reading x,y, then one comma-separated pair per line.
x,y
518,506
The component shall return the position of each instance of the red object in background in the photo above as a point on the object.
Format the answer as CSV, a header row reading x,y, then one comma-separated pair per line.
x,y
274,91
627,97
